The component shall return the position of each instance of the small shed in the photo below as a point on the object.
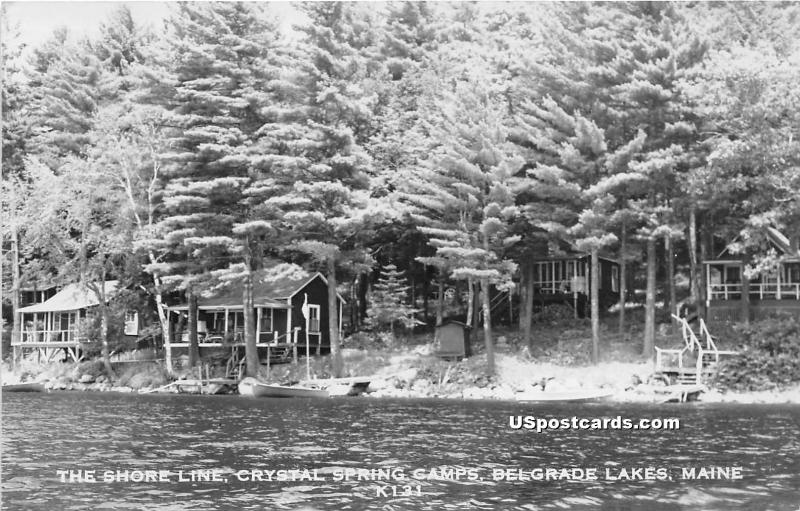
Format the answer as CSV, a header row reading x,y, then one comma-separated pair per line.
x,y
452,338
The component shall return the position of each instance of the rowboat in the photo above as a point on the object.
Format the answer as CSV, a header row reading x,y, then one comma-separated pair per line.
x,y
24,387
253,387
573,396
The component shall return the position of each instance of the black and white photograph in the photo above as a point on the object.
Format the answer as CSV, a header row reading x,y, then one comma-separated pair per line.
x,y
403,255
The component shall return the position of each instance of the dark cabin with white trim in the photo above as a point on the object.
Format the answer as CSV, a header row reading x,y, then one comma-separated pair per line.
x,y
731,297
281,329
566,279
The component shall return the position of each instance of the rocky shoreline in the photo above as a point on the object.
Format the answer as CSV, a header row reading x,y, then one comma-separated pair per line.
x,y
411,374
398,387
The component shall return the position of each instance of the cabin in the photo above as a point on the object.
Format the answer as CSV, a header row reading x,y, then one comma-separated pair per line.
x,y
732,297
566,279
53,325
282,328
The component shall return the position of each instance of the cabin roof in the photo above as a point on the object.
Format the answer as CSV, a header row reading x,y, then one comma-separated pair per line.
x,y
573,257
776,238
71,297
273,293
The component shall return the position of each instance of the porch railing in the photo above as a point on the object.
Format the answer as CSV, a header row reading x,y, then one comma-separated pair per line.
x,y
551,287
761,291
50,336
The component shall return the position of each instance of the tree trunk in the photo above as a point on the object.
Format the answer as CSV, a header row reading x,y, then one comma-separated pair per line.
x,y
694,284
470,301
354,304
363,291
105,351
650,300
526,331
487,327
250,341
745,300
194,349
523,293
163,319
333,320
413,306
595,298
425,292
705,250
440,304
672,298
623,281
16,332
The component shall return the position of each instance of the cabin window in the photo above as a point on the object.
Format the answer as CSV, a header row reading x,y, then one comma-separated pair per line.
x,y
615,279
218,322
313,318
131,323
266,320
237,320
792,275
732,275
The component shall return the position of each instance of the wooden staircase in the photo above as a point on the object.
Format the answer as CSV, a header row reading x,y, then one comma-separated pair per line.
x,y
698,358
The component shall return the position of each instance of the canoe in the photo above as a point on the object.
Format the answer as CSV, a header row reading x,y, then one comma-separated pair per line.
x,y
248,387
570,396
24,387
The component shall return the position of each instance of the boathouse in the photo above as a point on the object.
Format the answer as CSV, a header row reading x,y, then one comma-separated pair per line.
x,y
731,296
53,325
282,329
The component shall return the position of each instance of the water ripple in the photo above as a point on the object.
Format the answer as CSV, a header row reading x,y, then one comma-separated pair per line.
x,y
47,432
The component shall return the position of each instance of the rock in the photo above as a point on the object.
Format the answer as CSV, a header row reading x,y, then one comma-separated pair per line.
x,y
422,386
424,350
407,375
101,379
503,392
86,378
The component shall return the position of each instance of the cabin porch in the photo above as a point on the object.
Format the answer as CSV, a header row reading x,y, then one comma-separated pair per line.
x,y
281,335
728,294
48,333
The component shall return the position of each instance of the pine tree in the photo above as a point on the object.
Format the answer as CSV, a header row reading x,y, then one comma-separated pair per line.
x,y
388,305
65,96
220,62
324,211
463,198
622,69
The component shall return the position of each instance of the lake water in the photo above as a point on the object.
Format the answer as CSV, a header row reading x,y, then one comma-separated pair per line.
x,y
232,435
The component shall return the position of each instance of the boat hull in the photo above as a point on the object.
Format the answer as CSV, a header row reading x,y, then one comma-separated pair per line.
x,y
24,387
258,389
565,397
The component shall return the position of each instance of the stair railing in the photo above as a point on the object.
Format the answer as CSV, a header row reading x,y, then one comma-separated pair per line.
x,y
498,299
